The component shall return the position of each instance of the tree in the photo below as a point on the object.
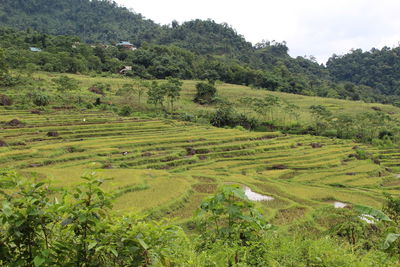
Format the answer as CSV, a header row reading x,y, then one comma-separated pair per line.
x,y
127,92
3,64
30,68
292,110
320,115
40,98
64,83
5,78
271,102
172,88
205,93
230,218
155,94
140,88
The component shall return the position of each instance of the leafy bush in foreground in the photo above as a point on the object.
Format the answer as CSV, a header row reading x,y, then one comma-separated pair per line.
x,y
41,226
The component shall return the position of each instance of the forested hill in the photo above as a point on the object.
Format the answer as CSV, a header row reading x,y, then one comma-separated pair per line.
x,y
194,49
379,68
93,21
103,21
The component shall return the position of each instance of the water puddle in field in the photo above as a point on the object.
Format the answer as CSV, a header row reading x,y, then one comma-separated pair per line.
x,y
339,205
250,194
253,196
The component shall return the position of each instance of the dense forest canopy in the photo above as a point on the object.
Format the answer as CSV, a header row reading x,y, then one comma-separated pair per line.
x,y
93,21
279,72
379,68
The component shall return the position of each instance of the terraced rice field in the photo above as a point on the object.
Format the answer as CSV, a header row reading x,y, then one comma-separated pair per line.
x,y
167,167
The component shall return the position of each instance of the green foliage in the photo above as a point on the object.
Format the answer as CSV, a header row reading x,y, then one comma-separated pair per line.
x,y
156,94
392,208
361,154
5,78
42,226
230,59
3,64
230,213
229,219
141,87
172,89
125,90
377,214
390,240
40,98
320,112
200,49
94,21
25,221
38,229
125,111
66,84
376,68
205,94
226,115
350,226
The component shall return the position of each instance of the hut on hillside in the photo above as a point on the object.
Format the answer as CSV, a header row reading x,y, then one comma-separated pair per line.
x,y
126,45
35,49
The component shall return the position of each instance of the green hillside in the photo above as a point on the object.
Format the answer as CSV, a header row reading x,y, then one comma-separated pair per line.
x,y
221,52
378,68
189,146
167,168
192,159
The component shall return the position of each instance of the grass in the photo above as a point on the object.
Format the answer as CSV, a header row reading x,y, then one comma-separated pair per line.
x,y
225,91
167,167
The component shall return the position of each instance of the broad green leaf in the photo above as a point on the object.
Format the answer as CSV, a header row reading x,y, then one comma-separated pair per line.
x,y
114,252
143,244
92,245
38,261
7,209
373,212
390,239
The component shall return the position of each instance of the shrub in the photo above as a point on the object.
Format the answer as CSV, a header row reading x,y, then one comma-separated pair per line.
x,y
125,111
361,154
205,94
330,133
224,116
64,83
246,122
187,117
40,98
227,116
5,100
89,105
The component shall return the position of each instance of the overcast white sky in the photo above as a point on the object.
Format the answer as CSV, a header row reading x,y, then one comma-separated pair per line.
x,y
310,27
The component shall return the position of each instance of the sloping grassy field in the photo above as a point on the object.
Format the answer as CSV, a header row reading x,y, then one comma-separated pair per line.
x,y
167,167
231,92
